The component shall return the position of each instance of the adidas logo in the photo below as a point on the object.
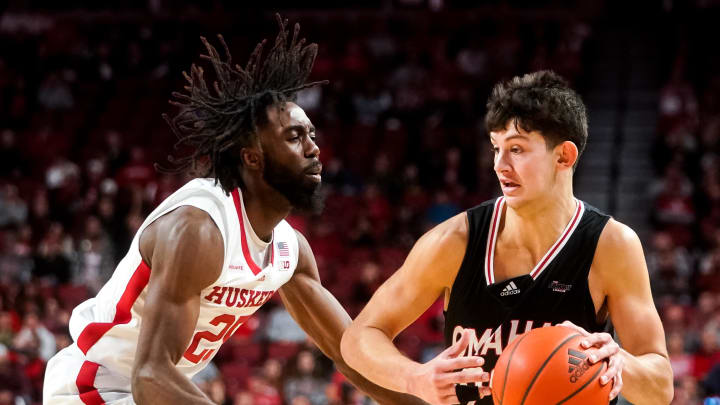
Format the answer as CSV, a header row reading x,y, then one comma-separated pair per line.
x,y
510,289
577,366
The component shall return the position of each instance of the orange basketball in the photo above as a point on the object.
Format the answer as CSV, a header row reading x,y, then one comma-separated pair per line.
x,y
548,366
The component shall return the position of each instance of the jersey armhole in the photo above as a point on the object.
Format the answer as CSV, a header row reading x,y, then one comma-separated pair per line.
x,y
465,278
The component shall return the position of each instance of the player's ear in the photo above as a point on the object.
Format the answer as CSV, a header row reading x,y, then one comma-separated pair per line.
x,y
567,154
251,158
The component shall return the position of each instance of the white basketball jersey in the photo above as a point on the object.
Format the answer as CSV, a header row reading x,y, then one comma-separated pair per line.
x,y
106,328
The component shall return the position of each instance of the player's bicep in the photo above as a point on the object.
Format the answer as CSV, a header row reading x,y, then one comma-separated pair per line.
x,y
185,249
428,271
629,298
168,324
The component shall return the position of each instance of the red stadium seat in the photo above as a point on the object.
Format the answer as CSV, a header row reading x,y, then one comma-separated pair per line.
x,y
282,350
235,376
71,295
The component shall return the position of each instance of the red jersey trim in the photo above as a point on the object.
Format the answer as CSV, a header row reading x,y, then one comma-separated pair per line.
x,y
569,229
549,255
243,238
490,248
94,331
85,382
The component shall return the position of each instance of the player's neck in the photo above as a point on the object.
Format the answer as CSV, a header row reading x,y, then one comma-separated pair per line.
x,y
264,211
537,225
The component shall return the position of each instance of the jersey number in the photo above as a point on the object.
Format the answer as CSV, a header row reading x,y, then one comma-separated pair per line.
x,y
231,324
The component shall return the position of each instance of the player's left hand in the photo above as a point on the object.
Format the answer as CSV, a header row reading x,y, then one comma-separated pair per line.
x,y
598,347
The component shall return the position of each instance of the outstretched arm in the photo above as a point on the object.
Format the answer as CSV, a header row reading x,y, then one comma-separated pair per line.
x,y
185,252
429,270
324,319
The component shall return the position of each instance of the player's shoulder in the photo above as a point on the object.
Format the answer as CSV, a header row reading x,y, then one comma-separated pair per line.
x,y
616,236
202,187
187,225
185,243
451,233
618,252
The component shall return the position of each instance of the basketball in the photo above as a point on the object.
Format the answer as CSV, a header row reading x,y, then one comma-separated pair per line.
x,y
548,366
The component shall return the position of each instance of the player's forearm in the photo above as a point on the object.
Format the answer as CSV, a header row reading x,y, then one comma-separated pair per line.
x,y
647,379
165,385
325,320
381,395
372,353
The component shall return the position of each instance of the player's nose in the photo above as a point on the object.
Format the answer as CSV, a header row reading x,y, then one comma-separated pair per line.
x,y
311,149
501,163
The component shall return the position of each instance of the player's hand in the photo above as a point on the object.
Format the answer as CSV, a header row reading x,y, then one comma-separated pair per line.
x,y
435,380
598,347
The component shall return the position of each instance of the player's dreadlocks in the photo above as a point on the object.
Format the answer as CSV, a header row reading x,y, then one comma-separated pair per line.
x,y
218,124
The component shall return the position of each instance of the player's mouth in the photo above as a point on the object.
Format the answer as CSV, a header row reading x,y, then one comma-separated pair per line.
x,y
314,172
508,186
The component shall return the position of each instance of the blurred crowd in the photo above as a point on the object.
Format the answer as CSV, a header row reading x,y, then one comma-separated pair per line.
x,y
684,251
400,129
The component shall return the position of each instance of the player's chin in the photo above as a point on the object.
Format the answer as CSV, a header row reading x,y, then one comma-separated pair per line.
x,y
514,200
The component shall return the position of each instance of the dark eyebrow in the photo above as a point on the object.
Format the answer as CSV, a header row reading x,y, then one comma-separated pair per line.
x,y
512,137
300,128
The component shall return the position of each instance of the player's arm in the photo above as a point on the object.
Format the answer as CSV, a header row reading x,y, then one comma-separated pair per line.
x,y
620,264
323,318
185,252
430,269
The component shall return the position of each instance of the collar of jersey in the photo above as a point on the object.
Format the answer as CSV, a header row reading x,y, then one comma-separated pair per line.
x,y
549,255
244,231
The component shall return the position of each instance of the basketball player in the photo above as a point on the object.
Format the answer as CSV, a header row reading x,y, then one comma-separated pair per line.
x,y
533,257
217,249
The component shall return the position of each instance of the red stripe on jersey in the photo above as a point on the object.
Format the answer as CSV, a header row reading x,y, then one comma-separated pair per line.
x,y
86,384
243,239
94,331
567,233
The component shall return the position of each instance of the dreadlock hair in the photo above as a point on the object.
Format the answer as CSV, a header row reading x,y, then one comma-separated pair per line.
x,y
219,124
540,101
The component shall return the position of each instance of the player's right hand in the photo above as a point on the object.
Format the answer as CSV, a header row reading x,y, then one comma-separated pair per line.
x,y
434,381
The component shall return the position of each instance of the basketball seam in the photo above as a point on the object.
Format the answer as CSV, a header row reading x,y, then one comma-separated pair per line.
x,y
507,369
537,374
591,379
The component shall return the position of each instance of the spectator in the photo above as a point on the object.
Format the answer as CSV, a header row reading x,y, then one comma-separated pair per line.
x,y
303,384
34,337
281,327
51,262
263,391
670,267
13,384
55,94
13,210
96,256
11,160
7,332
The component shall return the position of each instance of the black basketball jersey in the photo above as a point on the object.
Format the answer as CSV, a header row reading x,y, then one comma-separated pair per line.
x,y
554,291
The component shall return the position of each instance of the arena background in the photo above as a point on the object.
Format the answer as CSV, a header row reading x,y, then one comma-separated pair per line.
x,y
83,84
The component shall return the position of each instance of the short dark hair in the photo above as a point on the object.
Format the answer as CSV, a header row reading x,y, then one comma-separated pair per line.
x,y
540,101
217,124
